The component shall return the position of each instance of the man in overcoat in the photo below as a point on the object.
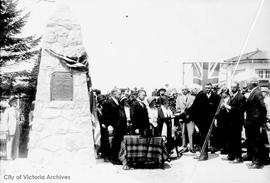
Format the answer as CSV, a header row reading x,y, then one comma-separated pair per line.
x,y
116,122
236,108
139,115
200,113
255,119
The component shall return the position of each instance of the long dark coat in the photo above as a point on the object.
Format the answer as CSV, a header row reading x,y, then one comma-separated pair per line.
x,y
139,117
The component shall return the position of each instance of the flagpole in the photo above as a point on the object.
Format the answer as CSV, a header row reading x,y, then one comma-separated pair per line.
x,y
247,39
183,73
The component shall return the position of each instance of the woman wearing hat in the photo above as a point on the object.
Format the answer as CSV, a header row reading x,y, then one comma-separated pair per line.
x,y
166,122
222,123
153,115
11,118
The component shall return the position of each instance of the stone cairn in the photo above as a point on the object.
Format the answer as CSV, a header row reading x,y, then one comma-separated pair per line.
x,y
62,131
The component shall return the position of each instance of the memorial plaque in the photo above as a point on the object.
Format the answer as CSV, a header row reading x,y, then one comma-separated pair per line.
x,y
61,86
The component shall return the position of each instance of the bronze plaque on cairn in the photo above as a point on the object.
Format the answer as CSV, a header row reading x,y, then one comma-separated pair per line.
x,y
61,86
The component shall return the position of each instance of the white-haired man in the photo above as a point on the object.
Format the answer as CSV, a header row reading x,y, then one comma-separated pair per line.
x,y
139,115
116,121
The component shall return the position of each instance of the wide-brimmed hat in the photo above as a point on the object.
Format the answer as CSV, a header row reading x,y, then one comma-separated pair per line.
x,y
123,98
150,100
101,98
161,89
265,89
11,99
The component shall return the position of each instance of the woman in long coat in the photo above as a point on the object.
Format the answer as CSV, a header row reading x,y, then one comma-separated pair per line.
x,y
166,122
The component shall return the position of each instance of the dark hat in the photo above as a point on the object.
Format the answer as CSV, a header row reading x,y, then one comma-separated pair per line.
x,y
11,99
225,90
150,100
101,98
161,89
123,98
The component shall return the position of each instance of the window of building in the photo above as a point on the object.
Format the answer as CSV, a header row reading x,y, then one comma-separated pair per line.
x,y
263,73
260,73
267,74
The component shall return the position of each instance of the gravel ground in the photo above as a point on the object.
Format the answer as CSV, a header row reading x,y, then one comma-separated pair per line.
x,y
184,170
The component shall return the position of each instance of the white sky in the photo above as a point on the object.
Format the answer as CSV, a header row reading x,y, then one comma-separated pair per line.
x,y
147,48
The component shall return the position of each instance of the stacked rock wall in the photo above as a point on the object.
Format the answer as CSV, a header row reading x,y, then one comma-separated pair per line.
x,y
62,130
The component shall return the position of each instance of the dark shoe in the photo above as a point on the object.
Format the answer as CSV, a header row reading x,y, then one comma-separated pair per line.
x,y
213,150
237,161
250,164
192,151
255,166
247,158
126,167
223,152
183,149
116,162
203,158
267,161
228,158
106,160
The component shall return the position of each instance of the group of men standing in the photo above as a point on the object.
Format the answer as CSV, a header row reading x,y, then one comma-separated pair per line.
x,y
114,121
237,111
195,110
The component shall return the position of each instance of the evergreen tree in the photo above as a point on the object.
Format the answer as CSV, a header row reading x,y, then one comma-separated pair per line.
x,y
12,46
13,49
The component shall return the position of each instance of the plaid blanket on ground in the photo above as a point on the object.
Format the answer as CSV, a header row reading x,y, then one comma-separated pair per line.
x,y
136,149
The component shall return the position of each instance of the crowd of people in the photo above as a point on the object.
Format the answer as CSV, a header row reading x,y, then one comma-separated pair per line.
x,y
184,120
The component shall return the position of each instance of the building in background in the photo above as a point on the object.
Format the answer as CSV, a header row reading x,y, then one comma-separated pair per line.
x,y
257,61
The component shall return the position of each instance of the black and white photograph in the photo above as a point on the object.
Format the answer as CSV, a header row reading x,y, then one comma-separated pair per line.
x,y
134,91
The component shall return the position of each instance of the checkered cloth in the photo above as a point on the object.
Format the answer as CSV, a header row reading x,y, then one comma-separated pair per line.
x,y
3,145
136,149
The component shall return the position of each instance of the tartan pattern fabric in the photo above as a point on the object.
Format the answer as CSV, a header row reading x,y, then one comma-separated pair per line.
x,y
3,145
136,149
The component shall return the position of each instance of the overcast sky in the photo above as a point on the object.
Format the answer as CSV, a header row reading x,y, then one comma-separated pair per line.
x,y
144,42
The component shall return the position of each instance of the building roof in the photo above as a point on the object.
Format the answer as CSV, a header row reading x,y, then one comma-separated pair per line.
x,y
254,55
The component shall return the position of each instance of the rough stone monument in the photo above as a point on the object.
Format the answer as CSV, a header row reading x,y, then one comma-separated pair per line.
x,y
62,130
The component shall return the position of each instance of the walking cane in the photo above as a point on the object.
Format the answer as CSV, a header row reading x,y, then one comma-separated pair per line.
x,y
210,130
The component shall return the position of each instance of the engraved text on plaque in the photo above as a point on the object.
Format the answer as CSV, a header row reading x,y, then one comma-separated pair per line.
x,y
61,86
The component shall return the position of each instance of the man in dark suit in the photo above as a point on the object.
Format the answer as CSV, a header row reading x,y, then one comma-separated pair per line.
x,y
104,145
213,99
200,114
139,115
115,120
236,108
255,119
